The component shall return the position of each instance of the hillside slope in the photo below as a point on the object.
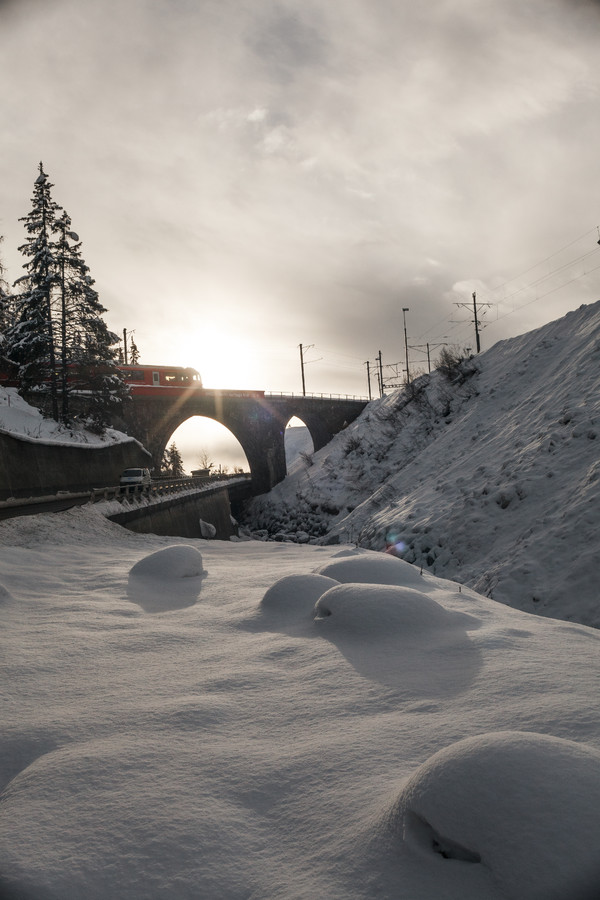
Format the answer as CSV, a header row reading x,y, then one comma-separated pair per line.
x,y
490,479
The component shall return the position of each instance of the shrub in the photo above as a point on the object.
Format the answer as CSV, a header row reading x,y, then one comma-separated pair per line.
x,y
449,361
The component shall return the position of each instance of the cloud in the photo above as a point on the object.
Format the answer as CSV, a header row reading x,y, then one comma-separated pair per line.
x,y
292,169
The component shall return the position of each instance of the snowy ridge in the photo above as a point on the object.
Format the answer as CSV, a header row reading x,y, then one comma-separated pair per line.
x,y
491,480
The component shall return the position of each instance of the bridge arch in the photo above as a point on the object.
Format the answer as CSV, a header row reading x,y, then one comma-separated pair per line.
x,y
200,439
297,441
258,423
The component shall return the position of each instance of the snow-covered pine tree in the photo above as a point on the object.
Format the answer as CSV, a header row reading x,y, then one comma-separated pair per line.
x,y
88,353
6,307
172,463
60,337
89,350
134,353
31,338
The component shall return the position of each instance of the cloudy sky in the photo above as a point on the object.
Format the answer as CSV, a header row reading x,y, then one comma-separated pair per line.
x,y
251,175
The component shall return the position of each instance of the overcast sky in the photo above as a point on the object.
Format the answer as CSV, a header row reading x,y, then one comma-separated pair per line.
x,y
251,175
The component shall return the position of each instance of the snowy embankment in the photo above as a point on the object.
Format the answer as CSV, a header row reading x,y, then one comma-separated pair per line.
x,y
192,719
491,479
19,419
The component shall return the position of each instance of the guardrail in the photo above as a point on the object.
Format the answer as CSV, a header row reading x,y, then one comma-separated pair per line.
x,y
18,506
293,396
161,487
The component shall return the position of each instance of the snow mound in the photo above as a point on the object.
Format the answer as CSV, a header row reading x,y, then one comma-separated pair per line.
x,y
380,609
207,529
76,811
293,597
399,637
369,567
167,579
524,806
76,526
179,561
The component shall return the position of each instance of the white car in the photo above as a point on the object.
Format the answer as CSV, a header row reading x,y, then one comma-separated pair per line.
x,y
135,478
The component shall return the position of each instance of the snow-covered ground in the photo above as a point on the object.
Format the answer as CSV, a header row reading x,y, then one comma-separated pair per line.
x,y
298,445
200,720
492,480
18,418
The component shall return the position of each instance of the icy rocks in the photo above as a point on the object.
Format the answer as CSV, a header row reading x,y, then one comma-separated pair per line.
x,y
167,579
525,806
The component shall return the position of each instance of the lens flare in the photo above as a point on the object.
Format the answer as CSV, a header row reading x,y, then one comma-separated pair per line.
x,y
394,543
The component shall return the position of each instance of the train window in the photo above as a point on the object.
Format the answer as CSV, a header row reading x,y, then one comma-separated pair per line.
x,y
133,374
156,378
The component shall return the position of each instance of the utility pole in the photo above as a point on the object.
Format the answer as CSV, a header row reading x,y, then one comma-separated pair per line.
x,y
303,349
476,322
125,346
302,370
475,318
380,375
405,309
368,378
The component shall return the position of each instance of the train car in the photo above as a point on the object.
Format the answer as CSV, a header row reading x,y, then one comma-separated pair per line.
x,y
156,380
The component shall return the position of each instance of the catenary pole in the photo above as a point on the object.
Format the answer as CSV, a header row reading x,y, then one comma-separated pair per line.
x,y
405,309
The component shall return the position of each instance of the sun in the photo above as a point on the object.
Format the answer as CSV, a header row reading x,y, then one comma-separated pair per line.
x,y
223,358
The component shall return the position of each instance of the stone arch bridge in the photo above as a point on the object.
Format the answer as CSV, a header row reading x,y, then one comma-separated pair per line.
x,y
257,421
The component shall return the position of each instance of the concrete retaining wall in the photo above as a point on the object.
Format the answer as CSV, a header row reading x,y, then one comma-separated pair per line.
x,y
31,468
181,516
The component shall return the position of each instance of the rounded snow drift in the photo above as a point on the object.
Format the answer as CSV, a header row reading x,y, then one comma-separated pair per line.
x,y
526,806
166,580
373,568
296,594
382,609
179,561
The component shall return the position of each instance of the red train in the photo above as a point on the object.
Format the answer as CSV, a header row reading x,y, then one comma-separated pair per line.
x,y
159,377
157,381
170,380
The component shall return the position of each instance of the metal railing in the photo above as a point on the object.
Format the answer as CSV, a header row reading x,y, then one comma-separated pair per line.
x,y
161,487
293,396
63,500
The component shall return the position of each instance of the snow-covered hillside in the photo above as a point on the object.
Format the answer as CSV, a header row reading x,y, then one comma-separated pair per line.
x,y
491,478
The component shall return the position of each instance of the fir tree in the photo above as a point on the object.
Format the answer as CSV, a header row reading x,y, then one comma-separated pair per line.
x,y
172,463
60,337
7,311
134,353
88,353
32,339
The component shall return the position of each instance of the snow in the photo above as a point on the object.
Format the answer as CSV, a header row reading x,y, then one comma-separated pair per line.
x,y
253,720
492,479
167,579
206,719
298,444
454,800
18,418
